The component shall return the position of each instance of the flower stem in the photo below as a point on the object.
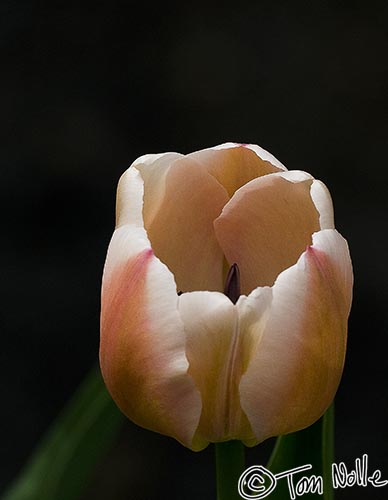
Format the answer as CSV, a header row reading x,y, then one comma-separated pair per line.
x,y
230,463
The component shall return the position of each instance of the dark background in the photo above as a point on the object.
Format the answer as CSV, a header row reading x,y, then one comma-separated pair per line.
x,y
85,89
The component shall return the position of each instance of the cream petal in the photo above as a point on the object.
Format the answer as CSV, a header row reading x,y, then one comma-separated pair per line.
x,y
295,371
153,169
212,327
129,200
319,194
233,165
156,160
322,200
296,176
142,349
265,155
266,226
253,313
220,339
181,231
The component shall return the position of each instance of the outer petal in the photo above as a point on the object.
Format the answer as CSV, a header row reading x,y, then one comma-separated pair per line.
x,y
322,201
220,337
297,366
142,351
266,226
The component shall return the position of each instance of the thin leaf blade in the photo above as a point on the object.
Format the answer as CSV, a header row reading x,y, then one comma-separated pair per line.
x,y
60,467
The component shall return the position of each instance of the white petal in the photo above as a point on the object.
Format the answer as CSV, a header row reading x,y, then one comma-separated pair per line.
x,y
129,201
221,339
322,200
211,325
298,364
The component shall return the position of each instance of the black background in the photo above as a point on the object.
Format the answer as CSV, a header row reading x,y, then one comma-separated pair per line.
x,y
85,89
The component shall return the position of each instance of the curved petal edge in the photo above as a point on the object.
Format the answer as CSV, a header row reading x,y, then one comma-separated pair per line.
x,y
295,373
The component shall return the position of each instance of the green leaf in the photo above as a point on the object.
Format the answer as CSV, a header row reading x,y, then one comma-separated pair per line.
x,y
63,462
315,446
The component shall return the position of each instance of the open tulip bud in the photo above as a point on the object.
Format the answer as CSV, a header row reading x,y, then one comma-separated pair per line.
x,y
206,366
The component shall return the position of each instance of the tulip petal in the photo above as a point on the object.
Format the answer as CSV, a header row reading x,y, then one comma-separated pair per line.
x,y
142,350
181,229
220,337
234,166
212,329
295,371
322,201
154,169
130,191
266,226
261,152
265,155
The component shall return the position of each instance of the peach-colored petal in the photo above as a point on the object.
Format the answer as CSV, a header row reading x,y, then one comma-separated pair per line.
x,y
261,152
154,169
181,231
142,350
198,367
266,226
233,166
265,155
212,329
130,190
296,368
220,336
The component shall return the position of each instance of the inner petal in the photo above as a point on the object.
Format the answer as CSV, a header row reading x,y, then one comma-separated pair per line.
x,y
265,227
181,230
233,167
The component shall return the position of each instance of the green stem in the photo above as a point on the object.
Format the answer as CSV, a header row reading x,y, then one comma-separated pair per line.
x,y
328,452
230,464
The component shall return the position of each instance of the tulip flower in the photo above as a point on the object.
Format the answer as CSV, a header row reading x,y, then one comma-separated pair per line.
x,y
181,357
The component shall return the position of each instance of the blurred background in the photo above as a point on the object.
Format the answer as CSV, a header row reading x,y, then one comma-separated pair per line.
x,y
87,89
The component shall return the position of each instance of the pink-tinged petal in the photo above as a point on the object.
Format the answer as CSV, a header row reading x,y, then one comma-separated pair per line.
x,y
142,350
266,226
323,203
296,368
233,166
213,349
181,230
